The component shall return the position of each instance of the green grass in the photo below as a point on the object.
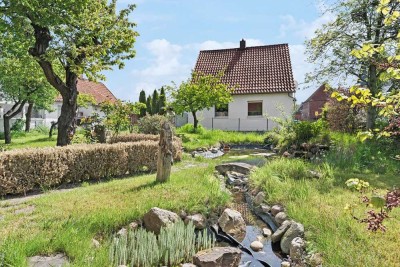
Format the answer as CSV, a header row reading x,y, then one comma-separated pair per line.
x,y
67,221
27,140
207,138
319,205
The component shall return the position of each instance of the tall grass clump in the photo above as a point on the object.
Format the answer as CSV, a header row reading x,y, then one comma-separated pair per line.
x,y
174,245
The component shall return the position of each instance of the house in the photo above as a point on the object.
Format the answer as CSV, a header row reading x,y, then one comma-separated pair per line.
x,y
264,86
311,109
42,117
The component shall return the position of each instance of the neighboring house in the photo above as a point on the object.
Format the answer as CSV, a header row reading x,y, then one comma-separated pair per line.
x,y
311,109
264,86
42,117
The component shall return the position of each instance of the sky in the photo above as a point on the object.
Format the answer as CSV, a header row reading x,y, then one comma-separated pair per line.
x,y
172,32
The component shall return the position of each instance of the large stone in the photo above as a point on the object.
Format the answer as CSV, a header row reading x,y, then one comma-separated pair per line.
x,y
232,222
266,232
188,265
280,231
295,230
285,264
259,198
275,209
280,217
58,260
296,250
316,260
256,245
198,220
239,167
157,218
218,257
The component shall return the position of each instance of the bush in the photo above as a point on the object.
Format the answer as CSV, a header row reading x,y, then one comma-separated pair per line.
x,y
25,169
189,128
18,125
151,124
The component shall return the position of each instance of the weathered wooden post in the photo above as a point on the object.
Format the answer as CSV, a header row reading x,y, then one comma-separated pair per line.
x,y
164,153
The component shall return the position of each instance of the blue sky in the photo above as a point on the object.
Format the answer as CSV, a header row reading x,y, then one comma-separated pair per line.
x,y
172,32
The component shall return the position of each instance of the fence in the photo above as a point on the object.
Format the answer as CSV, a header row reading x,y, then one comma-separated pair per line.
x,y
238,124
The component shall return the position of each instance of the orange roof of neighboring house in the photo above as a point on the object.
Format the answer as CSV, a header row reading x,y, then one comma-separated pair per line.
x,y
253,70
98,90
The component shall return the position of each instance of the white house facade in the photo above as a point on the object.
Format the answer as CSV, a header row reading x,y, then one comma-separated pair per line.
x,y
99,92
264,87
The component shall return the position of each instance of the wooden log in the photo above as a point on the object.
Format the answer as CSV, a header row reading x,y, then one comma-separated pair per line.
x,y
164,153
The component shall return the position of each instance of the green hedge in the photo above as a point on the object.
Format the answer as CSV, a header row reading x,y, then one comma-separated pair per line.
x,y
25,169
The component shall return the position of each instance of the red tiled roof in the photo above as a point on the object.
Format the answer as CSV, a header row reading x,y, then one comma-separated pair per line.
x,y
253,70
98,90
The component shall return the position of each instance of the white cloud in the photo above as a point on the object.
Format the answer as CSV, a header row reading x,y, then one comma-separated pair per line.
x,y
301,28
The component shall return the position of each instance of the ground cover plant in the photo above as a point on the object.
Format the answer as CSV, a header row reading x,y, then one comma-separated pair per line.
x,y
202,137
68,221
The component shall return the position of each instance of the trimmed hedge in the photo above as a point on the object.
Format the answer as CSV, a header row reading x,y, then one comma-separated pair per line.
x,y
134,138
25,169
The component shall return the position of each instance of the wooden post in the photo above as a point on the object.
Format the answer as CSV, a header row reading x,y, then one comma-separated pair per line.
x,y
164,153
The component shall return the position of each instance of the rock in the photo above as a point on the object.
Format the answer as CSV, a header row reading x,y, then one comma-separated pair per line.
x,y
182,214
214,150
218,257
296,249
266,232
122,232
133,225
58,260
275,209
256,246
285,264
295,230
265,208
316,260
232,222
198,220
280,231
239,167
280,217
286,154
157,218
95,243
315,174
259,198
188,265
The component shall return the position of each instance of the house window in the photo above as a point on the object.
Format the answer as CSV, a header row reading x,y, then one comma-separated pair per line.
x,y
221,111
254,108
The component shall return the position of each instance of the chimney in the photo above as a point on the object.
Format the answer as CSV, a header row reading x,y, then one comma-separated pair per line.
x,y
242,44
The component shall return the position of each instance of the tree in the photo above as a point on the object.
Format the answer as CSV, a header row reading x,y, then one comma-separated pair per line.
x,y
22,82
142,99
118,114
84,37
162,101
154,103
199,92
149,109
357,23
387,103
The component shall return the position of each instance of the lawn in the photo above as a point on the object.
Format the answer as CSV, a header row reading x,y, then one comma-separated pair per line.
x,y
319,203
68,221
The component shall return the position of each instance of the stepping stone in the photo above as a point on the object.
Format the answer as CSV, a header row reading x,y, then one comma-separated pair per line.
x,y
58,260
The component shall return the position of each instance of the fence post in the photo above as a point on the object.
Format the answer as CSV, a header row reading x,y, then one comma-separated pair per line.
x,y
239,125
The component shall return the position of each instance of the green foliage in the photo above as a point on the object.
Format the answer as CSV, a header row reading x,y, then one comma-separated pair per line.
x,y
151,124
175,244
155,109
199,92
18,125
149,108
188,128
142,99
85,100
118,115
162,101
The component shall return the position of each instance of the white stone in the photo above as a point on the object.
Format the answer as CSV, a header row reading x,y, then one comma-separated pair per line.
x,y
256,245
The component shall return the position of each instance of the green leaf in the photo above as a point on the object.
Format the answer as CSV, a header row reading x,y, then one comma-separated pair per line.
x,y
378,201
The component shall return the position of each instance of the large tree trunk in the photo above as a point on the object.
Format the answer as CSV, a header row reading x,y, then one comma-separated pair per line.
x,y
68,90
195,120
28,117
164,153
7,131
67,119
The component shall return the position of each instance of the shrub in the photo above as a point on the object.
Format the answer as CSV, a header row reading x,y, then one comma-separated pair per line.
x,y
151,124
18,125
189,128
25,169
175,244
